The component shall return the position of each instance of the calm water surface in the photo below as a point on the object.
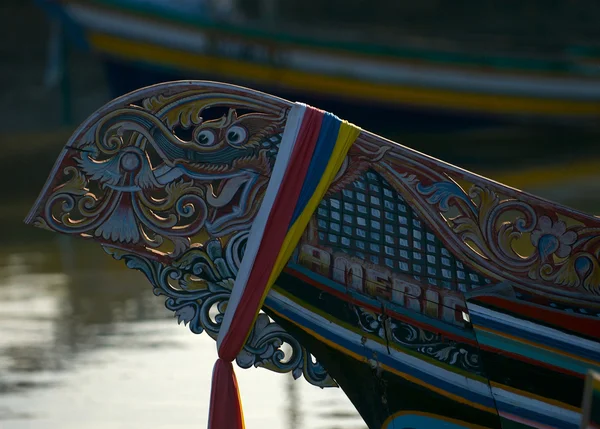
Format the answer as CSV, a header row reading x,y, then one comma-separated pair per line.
x,y
85,344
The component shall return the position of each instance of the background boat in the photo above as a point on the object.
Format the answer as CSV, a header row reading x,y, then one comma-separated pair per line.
x,y
414,66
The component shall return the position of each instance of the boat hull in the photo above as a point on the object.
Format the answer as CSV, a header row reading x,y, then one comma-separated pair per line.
x,y
379,373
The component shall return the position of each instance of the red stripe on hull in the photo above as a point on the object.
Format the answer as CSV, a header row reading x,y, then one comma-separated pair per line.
x,y
575,323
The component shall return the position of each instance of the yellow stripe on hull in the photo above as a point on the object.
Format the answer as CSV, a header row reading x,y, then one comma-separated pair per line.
x,y
339,86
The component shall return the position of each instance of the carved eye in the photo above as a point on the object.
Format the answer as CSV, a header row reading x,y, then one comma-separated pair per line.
x,y
236,135
206,138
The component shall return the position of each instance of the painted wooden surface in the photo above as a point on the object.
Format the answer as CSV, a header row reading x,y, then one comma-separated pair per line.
x,y
591,401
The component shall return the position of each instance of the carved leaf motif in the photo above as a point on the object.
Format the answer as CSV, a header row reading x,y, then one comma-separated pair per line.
x,y
77,185
491,229
202,309
156,102
417,339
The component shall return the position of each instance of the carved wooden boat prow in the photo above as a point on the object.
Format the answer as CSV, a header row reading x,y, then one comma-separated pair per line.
x,y
431,295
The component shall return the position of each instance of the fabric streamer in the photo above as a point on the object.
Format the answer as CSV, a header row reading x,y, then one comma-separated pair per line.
x,y
313,147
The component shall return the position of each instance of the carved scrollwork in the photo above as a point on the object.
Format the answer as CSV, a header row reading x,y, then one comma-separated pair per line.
x,y
497,227
156,177
418,340
264,348
501,233
197,287
163,180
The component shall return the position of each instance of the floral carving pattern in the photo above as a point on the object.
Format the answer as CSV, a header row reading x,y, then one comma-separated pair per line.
x,y
154,178
197,287
170,183
503,234
553,238
563,256
429,344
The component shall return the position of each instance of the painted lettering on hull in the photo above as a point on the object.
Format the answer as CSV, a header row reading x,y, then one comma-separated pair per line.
x,y
377,281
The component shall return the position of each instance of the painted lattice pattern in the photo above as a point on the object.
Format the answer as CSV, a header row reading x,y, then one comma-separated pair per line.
x,y
373,222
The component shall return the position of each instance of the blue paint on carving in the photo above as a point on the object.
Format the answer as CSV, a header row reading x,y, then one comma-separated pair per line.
x,y
441,192
583,266
547,245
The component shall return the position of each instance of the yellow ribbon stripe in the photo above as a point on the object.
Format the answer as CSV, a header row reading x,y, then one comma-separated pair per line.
x,y
347,135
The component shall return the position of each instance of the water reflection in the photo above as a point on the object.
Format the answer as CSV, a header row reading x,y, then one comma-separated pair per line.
x,y
293,409
84,343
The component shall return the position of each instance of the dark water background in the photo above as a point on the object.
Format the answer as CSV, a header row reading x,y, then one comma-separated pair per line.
x,y
85,344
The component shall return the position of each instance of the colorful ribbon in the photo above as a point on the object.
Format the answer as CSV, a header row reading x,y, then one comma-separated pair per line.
x,y
313,148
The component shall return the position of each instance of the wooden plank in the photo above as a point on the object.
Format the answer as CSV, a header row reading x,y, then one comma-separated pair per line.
x,y
591,402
